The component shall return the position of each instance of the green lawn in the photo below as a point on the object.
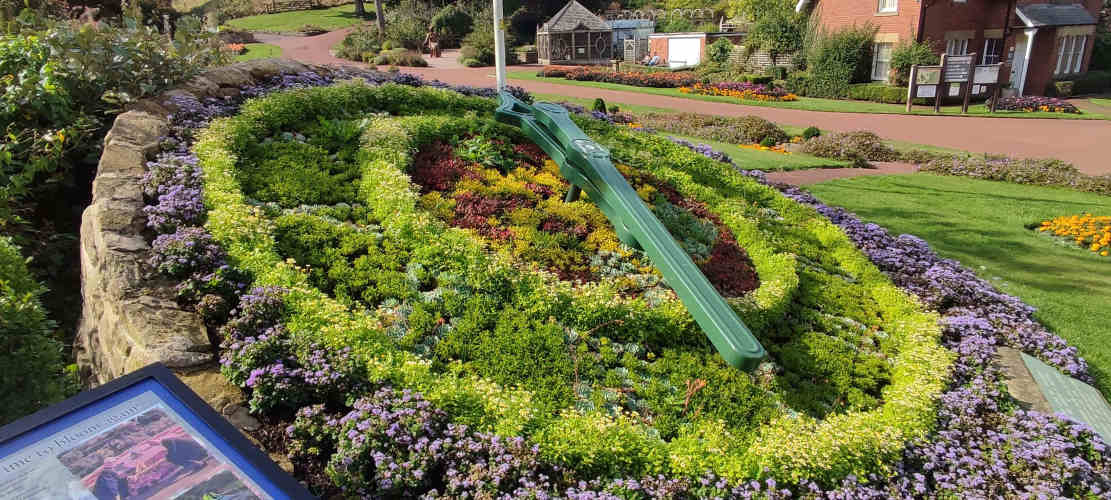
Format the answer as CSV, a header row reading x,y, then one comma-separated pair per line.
x,y
810,103
981,224
751,159
1101,102
330,19
259,51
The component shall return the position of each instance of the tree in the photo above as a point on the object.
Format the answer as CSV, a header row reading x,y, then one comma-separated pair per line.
x,y
360,9
380,18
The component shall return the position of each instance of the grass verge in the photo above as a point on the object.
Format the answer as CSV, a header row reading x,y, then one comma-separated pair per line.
x,y
259,51
332,18
812,103
982,224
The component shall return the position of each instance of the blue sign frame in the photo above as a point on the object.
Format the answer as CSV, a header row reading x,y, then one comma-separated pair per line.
x,y
146,433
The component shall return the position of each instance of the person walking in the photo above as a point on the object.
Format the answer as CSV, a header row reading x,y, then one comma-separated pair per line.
x,y
432,40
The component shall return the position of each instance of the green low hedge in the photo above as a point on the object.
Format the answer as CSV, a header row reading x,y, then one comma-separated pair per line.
x,y
808,269
878,92
33,370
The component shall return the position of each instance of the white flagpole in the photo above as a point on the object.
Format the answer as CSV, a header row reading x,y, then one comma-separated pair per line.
x,y
499,45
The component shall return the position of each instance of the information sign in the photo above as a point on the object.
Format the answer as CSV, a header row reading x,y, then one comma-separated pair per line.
x,y
928,75
987,74
954,89
144,435
926,91
957,68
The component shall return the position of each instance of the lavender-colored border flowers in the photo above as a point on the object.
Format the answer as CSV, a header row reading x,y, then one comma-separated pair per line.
x,y
393,442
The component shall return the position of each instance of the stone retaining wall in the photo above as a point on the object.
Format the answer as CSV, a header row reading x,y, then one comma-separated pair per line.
x,y
129,318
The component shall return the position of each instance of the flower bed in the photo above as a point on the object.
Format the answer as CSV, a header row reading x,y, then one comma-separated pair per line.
x,y
360,335
1044,172
635,78
1033,104
740,90
1086,231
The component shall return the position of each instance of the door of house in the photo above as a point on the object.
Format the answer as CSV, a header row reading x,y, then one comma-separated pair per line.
x,y
1019,62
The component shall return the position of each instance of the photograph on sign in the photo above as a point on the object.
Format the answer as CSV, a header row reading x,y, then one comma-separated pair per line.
x,y
137,449
926,91
954,89
143,436
928,75
988,74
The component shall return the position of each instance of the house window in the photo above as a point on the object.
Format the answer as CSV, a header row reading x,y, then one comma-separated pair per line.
x,y
993,50
956,47
881,60
887,6
1070,54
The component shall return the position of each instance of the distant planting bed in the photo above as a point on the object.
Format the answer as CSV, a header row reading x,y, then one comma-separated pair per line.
x,y
412,308
332,18
809,103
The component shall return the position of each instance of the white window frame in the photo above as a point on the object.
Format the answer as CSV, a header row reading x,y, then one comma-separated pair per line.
x,y
884,64
989,57
886,6
1070,54
957,46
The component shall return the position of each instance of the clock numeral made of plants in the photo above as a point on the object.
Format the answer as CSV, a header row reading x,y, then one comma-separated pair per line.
x,y
587,165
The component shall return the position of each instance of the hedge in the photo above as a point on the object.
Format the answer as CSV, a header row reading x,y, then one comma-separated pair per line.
x,y
792,446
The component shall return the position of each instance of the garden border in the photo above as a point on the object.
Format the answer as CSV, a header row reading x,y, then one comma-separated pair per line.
x,y
129,317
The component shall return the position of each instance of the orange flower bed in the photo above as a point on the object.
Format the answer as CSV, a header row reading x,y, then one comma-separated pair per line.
x,y
1088,231
743,91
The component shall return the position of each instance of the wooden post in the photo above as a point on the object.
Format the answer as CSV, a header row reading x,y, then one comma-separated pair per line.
x,y
940,84
912,87
968,84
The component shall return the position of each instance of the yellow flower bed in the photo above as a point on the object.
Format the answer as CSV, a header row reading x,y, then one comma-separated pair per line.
x,y
775,149
1092,232
747,94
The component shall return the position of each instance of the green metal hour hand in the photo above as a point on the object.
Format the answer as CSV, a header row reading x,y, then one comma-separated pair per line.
x,y
587,165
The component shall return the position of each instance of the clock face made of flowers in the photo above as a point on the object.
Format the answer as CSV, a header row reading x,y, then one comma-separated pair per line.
x,y
143,435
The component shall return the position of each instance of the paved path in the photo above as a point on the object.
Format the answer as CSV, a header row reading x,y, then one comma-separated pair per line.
x,y
1085,143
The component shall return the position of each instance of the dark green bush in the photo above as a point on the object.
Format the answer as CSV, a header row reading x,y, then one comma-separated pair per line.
x,y
471,62
778,72
1092,82
768,142
907,54
811,132
798,84
878,92
718,52
479,44
32,369
1101,51
452,24
359,45
839,59
599,105
1060,88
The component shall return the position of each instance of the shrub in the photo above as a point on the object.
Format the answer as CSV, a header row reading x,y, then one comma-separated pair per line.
x,y
838,59
1101,51
859,147
910,53
361,44
452,23
1044,172
749,129
878,92
479,43
778,72
599,105
719,51
798,84
1060,88
811,132
471,63
1092,82
33,373
768,142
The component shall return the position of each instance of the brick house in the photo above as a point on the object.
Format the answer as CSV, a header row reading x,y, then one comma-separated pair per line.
x,y
1040,40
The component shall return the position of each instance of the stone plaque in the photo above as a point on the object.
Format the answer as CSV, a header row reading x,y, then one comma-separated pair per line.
x,y
144,435
1071,397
